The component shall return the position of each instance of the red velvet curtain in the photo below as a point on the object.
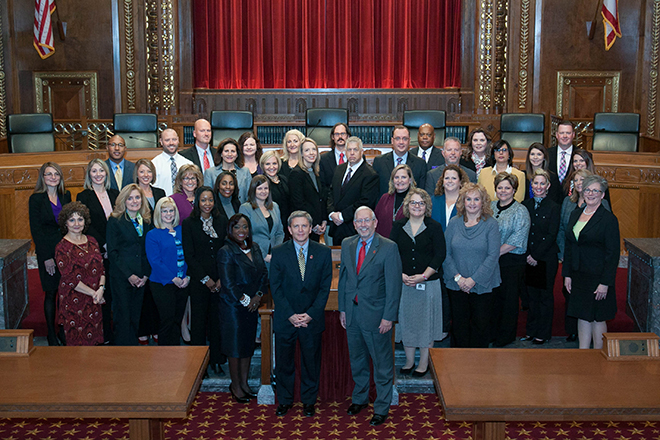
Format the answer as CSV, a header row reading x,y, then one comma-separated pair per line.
x,y
244,44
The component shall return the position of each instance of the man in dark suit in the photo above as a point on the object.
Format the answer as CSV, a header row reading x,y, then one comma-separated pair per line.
x,y
451,152
202,153
369,294
354,184
385,163
561,156
120,168
336,156
426,150
300,278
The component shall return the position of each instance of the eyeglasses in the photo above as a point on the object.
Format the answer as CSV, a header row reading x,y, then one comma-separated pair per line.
x,y
51,175
591,191
418,203
189,179
498,150
363,221
343,135
401,139
113,144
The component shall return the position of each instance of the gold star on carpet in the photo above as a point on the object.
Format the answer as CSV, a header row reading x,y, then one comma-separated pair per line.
x,y
205,424
201,437
392,438
334,417
427,425
562,432
421,396
407,417
649,424
636,431
261,417
411,432
297,417
209,410
433,438
87,438
390,424
611,424
95,424
523,431
623,438
225,416
72,431
34,431
316,424
242,424
599,431
423,410
353,438
296,432
221,431
372,431
335,432
259,432
402,404
246,409
353,424
278,424
449,431
10,438
20,424
576,424
465,425
585,438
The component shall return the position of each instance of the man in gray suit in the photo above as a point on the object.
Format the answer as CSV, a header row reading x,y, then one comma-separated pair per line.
x,y
369,294
120,168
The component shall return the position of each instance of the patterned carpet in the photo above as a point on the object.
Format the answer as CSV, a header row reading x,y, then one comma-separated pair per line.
x,y
215,416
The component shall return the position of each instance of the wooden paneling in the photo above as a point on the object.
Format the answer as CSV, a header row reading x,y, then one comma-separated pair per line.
x,y
67,95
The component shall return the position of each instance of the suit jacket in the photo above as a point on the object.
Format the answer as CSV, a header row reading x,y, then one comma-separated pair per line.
x,y
305,197
158,194
240,275
555,193
163,257
201,250
361,189
327,167
243,177
384,164
43,224
378,286
554,165
434,161
542,241
126,249
436,173
439,211
265,238
191,155
596,253
126,177
291,294
98,221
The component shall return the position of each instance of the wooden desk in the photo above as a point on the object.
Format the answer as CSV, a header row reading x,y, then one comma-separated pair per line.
x,y
143,384
492,386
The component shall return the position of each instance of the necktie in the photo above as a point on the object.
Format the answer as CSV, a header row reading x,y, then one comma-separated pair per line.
x,y
173,170
118,177
424,155
361,255
348,176
207,165
301,263
562,166
341,158
398,161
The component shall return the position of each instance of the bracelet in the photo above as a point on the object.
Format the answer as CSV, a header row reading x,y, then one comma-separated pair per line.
x,y
103,285
205,279
425,277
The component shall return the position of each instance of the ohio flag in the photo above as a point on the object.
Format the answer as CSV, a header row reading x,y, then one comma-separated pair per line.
x,y
43,28
610,15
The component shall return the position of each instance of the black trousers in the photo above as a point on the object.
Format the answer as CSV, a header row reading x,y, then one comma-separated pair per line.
x,y
506,304
171,304
542,305
310,365
570,322
471,318
200,310
126,309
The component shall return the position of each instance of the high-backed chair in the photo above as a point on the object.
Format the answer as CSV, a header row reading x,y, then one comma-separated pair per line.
x,y
30,133
521,130
230,124
319,123
139,130
413,119
616,132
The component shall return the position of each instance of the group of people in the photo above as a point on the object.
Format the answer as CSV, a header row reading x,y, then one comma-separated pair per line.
x,y
210,230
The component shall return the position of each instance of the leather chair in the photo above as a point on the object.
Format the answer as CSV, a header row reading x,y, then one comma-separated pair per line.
x,y
319,123
616,132
139,130
230,124
413,119
521,130
30,133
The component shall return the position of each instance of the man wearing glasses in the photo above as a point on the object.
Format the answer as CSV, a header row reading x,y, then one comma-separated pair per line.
x,y
336,156
121,170
385,163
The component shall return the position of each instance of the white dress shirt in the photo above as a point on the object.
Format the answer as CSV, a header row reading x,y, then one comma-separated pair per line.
x,y
163,170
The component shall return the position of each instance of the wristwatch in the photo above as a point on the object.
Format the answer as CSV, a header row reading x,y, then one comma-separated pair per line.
x,y
458,277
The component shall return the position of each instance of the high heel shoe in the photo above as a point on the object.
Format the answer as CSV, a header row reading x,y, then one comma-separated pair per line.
x,y
406,371
238,399
420,373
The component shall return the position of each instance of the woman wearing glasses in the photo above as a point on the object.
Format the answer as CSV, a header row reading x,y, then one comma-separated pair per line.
x,y
501,158
591,257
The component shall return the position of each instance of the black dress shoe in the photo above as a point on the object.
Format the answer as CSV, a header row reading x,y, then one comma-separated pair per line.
x,y
237,398
309,410
406,371
378,419
538,341
355,408
282,409
420,373
250,395
572,337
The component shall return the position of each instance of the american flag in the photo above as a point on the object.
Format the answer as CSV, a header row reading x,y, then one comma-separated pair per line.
x,y
43,27
610,15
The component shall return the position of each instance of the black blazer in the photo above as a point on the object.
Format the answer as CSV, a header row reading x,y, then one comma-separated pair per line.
x,y
126,251
126,177
239,274
191,155
98,222
384,164
291,294
327,167
542,240
555,193
200,250
428,249
305,197
281,196
597,251
434,161
553,165
361,190
158,194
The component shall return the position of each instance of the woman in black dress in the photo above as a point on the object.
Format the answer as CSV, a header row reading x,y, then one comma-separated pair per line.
x,y
291,144
100,199
45,206
244,280
204,234
307,191
591,258
279,185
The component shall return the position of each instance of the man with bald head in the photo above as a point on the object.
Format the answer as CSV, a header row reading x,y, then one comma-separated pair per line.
x,y
168,162
451,152
202,153
121,170
426,150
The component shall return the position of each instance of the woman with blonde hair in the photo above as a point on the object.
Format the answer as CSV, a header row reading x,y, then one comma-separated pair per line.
x,y
129,267
390,206
145,176
291,144
307,191
187,180
279,185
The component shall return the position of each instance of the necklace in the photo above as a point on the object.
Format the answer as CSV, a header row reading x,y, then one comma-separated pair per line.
x,y
588,213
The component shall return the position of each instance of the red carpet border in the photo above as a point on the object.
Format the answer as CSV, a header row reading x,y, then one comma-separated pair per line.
x,y
215,416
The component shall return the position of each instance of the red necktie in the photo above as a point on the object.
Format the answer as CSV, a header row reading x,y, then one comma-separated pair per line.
x,y
361,255
206,162
341,158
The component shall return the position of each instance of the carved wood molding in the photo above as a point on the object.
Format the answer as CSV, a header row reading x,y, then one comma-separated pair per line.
x,y
652,103
129,56
492,55
523,58
160,54
3,94
568,79
47,83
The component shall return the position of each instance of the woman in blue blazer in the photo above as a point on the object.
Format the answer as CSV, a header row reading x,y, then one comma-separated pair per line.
x,y
169,280
446,193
